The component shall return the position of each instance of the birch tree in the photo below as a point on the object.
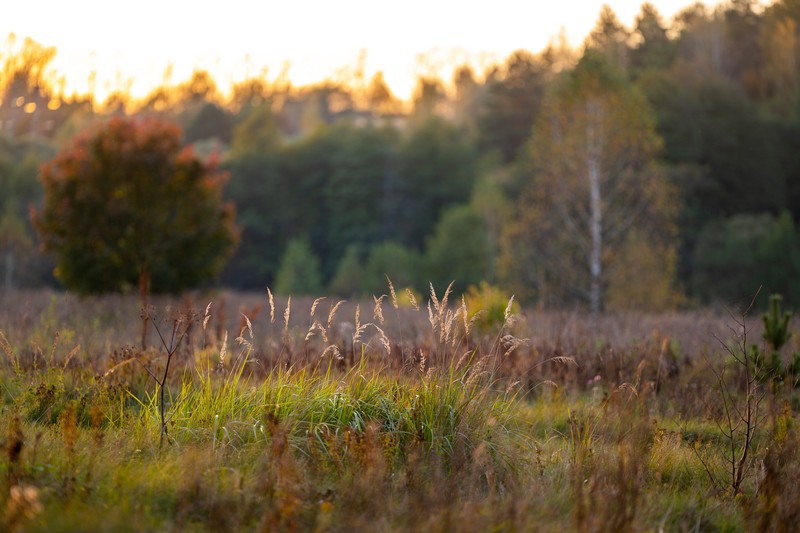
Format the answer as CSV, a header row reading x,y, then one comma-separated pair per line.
x,y
593,154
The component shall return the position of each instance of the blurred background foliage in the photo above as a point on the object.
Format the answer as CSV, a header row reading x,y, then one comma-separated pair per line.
x,y
337,185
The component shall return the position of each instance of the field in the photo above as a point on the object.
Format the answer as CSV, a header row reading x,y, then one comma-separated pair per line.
x,y
377,416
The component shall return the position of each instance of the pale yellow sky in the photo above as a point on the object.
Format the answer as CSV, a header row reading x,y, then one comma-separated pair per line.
x,y
134,42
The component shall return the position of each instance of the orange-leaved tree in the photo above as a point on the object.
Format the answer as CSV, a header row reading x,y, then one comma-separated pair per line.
x,y
126,206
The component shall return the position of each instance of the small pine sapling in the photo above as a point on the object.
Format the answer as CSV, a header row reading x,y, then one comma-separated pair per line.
x,y
776,335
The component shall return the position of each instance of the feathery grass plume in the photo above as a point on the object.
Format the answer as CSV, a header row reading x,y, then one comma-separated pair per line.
x,y
71,354
627,387
431,319
447,292
511,386
441,307
464,315
463,358
310,332
423,361
358,332
271,307
223,350
477,371
507,313
391,291
206,316
314,305
384,340
121,364
433,297
333,349
316,326
248,326
447,324
412,299
475,317
377,313
360,328
241,341
286,314
450,326
332,312
564,360
511,343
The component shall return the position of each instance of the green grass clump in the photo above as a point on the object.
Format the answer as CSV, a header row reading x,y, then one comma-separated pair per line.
x,y
443,413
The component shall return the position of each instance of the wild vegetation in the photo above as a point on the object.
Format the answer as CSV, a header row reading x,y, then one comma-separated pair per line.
x,y
653,171
265,413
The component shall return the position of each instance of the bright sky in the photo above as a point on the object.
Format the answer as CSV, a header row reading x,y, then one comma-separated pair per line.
x,y
234,39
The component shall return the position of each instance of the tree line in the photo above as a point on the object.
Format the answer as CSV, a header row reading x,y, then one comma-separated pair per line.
x,y
654,168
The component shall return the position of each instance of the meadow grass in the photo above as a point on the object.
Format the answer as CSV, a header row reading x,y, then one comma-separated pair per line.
x,y
338,417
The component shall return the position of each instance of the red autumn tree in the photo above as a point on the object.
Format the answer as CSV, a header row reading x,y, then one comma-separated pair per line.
x,y
126,205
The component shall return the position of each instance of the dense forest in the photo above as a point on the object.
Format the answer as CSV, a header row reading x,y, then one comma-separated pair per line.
x,y
688,132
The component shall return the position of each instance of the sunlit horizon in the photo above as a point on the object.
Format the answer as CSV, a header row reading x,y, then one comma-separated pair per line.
x,y
102,50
